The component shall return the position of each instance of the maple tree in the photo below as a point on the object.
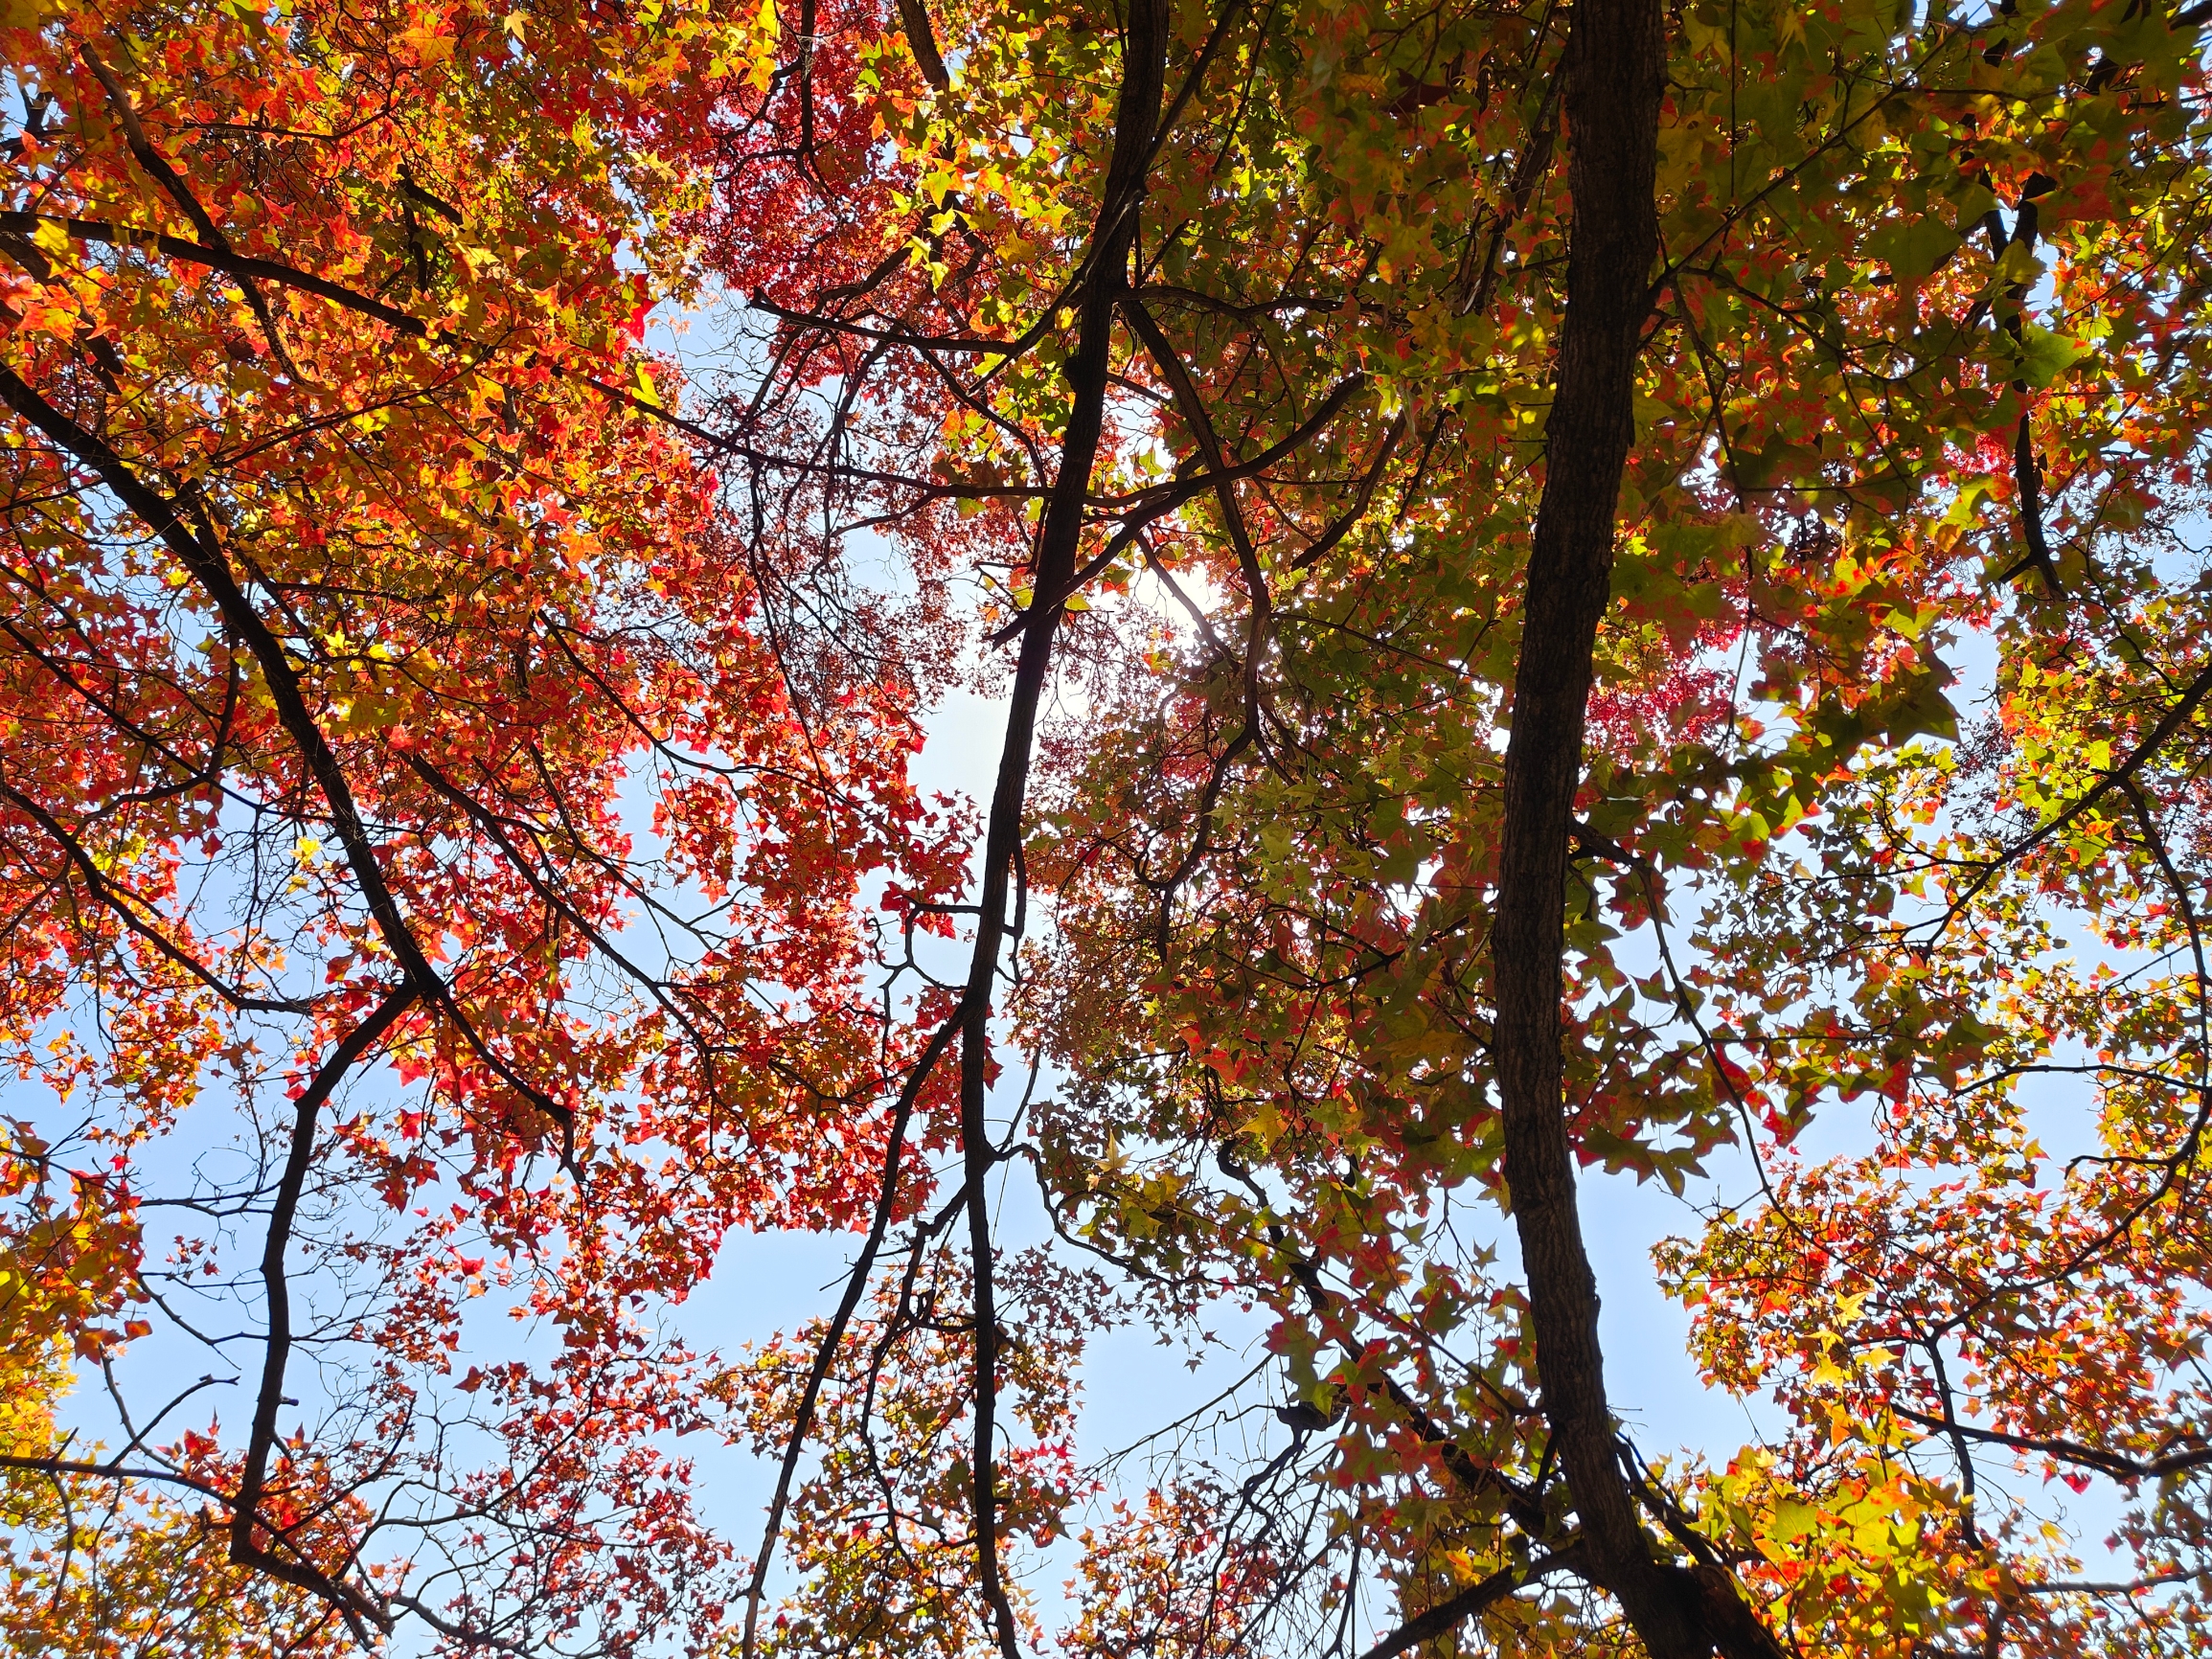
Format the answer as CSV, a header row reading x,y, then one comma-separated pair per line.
x,y
374,643
1472,504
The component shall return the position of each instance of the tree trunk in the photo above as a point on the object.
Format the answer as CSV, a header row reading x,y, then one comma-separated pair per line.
x,y
1614,66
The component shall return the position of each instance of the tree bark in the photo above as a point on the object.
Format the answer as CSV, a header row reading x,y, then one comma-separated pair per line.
x,y
1614,66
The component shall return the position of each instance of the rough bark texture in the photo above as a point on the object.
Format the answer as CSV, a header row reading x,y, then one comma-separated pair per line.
x,y
1614,64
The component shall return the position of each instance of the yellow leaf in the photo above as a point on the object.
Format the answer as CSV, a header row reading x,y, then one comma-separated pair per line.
x,y
1794,1519
430,46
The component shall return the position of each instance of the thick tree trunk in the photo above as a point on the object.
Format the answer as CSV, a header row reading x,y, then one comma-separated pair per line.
x,y
1614,64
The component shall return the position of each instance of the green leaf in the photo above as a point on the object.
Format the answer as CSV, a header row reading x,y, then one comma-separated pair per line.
x,y
2045,355
1915,248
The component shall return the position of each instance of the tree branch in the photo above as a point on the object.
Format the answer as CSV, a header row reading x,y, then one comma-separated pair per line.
x,y
1453,1611
1143,46
195,549
113,896
142,149
2117,1465
921,41
855,1285
245,1549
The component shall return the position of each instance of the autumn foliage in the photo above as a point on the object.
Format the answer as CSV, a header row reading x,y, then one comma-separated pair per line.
x,y
1606,588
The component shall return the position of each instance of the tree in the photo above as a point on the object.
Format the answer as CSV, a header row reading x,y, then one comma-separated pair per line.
x,y
1354,988
1474,501
373,645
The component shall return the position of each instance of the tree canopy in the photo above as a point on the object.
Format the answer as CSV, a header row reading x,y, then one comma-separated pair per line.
x,y
1564,588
